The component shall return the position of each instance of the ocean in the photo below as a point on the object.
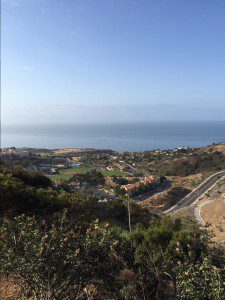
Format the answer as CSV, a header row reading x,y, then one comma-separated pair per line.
x,y
119,137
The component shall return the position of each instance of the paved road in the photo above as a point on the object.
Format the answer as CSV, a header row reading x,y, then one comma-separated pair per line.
x,y
197,192
101,193
111,196
157,190
135,171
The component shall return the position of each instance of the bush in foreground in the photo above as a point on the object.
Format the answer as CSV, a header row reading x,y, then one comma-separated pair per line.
x,y
62,260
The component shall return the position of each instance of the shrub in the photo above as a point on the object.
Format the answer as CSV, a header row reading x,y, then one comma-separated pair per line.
x,y
165,252
61,261
30,177
202,280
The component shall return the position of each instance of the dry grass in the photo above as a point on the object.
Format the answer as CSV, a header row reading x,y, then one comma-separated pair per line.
x,y
180,186
71,150
212,210
220,148
9,289
213,213
185,212
188,182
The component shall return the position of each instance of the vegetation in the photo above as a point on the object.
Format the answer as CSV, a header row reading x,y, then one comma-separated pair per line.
x,y
119,191
27,176
120,180
91,178
203,162
142,189
60,245
67,174
17,198
177,162
167,200
58,262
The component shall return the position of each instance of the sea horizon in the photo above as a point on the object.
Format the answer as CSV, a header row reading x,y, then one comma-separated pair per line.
x,y
140,136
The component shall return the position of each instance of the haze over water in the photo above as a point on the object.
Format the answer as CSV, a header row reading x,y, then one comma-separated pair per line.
x,y
119,137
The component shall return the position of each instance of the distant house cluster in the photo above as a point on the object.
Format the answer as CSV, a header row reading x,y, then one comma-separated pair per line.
x,y
146,181
153,180
12,152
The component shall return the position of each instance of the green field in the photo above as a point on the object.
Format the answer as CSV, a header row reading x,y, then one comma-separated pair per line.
x,y
68,173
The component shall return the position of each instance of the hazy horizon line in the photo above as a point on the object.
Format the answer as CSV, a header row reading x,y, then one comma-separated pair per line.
x,y
87,123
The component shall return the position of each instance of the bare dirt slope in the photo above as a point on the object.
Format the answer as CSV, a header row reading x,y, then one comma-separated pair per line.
x,y
180,187
211,208
209,211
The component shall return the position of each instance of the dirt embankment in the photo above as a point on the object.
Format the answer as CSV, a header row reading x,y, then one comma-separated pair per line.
x,y
211,210
180,187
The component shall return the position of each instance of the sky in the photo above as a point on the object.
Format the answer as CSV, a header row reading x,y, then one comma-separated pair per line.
x,y
83,61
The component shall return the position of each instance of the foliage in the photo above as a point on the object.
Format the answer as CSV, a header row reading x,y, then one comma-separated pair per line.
x,y
58,262
200,281
163,254
65,260
17,198
119,191
143,188
62,245
90,178
204,162
173,196
120,180
30,177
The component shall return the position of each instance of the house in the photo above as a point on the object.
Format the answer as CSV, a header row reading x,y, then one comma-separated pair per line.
x,y
109,168
53,171
130,187
130,179
109,181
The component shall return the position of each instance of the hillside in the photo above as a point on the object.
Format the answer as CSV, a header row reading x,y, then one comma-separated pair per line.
x,y
56,243
215,148
49,228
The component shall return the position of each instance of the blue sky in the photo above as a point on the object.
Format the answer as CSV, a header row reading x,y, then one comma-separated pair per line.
x,y
112,60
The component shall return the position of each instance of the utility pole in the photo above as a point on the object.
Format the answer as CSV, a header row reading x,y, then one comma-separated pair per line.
x,y
129,210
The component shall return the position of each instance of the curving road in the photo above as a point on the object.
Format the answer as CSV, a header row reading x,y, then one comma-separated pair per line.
x,y
197,192
163,186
